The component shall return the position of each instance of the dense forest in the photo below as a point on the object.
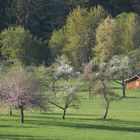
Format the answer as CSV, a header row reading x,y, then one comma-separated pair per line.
x,y
36,31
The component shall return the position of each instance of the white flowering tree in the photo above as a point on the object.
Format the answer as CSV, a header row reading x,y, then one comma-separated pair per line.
x,y
66,96
64,69
119,69
60,69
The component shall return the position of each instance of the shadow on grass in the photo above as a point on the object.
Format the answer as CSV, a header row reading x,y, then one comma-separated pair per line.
x,y
123,122
15,126
98,127
68,123
58,116
103,127
22,137
115,88
54,119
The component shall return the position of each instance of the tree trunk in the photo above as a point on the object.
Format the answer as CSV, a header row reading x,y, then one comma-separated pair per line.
x,y
64,113
53,85
89,89
10,112
107,105
106,111
123,88
22,114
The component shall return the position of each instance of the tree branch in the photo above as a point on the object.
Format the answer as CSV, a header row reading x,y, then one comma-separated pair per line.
x,y
72,105
117,82
105,98
56,105
67,104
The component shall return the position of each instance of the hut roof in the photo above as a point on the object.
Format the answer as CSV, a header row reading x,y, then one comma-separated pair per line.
x,y
137,76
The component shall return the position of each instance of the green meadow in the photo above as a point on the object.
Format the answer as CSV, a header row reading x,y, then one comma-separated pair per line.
x,y
85,123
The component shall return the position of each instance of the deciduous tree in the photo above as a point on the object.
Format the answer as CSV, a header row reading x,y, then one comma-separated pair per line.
x,y
19,46
57,42
108,40
21,90
80,32
89,76
101,88
118,69
65,96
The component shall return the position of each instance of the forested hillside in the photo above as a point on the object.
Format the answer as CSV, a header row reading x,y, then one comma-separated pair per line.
x,y
49,28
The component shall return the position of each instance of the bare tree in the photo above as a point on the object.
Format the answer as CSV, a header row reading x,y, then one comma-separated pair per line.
x,y
103,77
107,94
89,77
52,77
65,99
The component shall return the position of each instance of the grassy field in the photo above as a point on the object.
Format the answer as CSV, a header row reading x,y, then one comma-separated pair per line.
x,y
86,123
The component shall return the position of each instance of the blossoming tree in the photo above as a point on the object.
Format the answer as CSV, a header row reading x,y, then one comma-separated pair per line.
x,y
66,96
21,90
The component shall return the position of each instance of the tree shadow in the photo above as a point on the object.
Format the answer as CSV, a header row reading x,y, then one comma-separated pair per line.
x,y
103,127
15,126
54,119
22,137
124,122
115,127
52,116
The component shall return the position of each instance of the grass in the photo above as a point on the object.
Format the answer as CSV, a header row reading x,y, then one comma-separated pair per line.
x,y
86,123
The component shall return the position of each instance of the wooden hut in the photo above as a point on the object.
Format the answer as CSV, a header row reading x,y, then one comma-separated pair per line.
x,y
134,82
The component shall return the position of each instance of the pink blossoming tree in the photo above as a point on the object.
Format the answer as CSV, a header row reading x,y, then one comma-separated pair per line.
x,y
20,90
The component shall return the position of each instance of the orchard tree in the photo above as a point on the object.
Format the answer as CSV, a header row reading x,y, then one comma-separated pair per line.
x,y
64,68
20,90
50,71
89,77
65,96
104,91
119,70
61,68
101,88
